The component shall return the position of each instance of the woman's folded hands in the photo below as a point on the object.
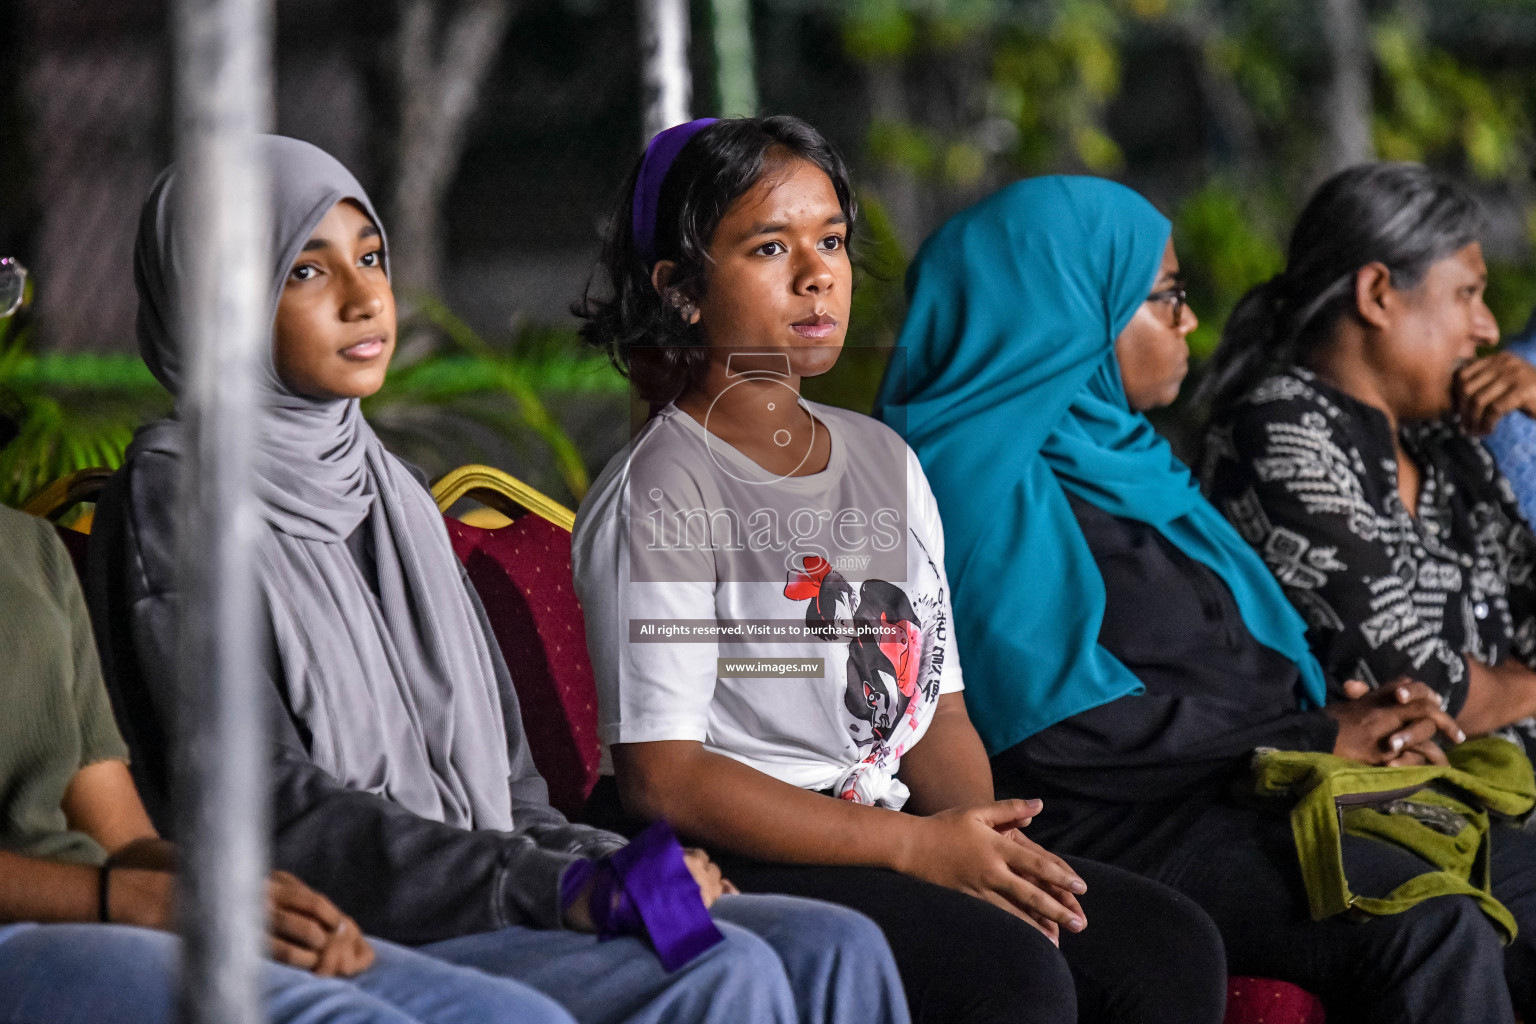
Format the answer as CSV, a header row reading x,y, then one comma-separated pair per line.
x,y
979,850
308,932
1394,725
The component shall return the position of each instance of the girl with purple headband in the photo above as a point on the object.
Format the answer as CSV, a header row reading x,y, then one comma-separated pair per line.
x,y
769,617
403,788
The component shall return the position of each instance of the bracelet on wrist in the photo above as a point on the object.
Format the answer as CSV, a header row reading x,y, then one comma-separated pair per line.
x,y
104,892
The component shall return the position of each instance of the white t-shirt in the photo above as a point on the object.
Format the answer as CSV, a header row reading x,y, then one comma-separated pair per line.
x,y
800,625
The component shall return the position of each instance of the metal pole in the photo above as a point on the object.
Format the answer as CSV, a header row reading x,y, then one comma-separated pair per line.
x,y
223,99
1347,34
667,83
734,73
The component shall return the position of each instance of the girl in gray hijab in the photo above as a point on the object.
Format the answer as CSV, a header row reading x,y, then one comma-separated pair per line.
x,y
87,887
403,788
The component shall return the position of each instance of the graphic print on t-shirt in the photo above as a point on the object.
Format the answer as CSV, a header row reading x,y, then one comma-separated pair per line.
x,y
895,656
682,571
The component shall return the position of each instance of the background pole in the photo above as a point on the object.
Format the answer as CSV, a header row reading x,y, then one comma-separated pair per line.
x,y
666,80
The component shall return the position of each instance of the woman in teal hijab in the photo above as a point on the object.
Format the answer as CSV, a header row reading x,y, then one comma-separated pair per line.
x,y
1125,649
1015,308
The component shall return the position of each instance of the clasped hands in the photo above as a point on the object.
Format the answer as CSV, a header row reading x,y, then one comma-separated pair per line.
x,y
1394,726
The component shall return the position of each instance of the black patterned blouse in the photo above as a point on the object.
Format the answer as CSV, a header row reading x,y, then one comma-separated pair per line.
x,y
1308,475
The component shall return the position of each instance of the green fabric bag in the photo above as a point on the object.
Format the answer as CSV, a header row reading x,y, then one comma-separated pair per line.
x,y
1439,813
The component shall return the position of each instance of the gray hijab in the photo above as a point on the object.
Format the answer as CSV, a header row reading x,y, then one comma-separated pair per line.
x,y
397,691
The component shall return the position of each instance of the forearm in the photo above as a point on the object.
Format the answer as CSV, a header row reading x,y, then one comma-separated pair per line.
x,y
46,891
1496,697
153,854
726,805
407,878
948,767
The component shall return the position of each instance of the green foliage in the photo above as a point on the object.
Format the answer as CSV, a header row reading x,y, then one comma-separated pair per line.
x,y
80,410
1511,294
1053,83
1434,108
884,30
877,30
1226,245
881,266
541,362
903,144
74,411
1052,72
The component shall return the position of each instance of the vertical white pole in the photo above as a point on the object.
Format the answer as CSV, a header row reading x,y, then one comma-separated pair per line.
x,y
223,100
667,83
1348,113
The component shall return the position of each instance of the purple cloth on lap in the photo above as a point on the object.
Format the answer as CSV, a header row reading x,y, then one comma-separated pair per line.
x,y
645,888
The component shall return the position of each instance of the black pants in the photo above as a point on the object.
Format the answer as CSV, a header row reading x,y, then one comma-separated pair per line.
x,y
1439,961
1147,956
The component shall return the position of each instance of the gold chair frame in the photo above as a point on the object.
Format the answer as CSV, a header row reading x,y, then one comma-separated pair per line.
x,y
490,486
500,491
66,492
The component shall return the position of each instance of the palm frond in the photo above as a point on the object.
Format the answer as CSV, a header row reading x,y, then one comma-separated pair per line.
x,y
77,410
541,361
74,410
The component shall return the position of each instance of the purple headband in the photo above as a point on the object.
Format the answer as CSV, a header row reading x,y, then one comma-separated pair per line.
x,y
658,159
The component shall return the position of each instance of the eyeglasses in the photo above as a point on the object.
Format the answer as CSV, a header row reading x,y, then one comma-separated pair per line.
x,y
1176,297
13,286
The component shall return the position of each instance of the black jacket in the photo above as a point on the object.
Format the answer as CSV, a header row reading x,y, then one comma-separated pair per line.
x,y
1119,781
403,877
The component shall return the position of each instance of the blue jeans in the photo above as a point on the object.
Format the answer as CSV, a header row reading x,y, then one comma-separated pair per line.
x,y
88,973
785,961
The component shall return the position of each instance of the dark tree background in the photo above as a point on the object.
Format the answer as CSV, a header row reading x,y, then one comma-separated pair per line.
x,y
493,134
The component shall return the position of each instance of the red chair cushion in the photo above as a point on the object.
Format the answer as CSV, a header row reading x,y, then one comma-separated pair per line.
x,y
522,573
1267,1001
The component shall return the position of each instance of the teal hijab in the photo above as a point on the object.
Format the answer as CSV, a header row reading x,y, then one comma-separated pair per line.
x,y
1006,385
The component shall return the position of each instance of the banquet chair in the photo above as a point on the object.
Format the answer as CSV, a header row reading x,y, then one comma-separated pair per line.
x,y
519,561
59,497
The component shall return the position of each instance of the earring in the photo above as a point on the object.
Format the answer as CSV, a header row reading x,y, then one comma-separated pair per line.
x,y
685,309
